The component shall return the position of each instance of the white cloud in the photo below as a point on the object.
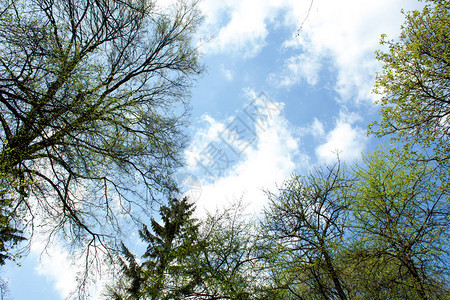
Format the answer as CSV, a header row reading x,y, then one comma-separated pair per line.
x,y
345,140
316,129
56,266
227,73
239,27
348,32
298,68
63,267
208,134
345,33
262,165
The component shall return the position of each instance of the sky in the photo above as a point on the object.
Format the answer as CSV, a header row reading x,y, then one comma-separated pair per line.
x,y
287,88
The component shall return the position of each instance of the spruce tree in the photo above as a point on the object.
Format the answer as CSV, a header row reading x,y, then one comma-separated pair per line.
x,y
167,270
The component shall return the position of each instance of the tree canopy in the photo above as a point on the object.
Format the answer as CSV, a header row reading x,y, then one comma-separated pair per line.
x,y
166,271
400,227
377,231
415,83
186,258
305,222
93,99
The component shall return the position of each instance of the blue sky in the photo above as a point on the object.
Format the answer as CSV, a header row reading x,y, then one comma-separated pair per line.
x,y
288,85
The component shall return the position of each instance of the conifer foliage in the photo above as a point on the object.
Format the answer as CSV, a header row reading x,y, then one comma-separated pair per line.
x,y
164,272
10,235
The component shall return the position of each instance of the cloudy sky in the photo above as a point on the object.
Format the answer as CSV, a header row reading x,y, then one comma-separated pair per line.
x,y
288,87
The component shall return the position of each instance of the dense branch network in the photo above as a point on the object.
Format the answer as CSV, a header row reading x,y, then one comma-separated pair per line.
x,y
93,100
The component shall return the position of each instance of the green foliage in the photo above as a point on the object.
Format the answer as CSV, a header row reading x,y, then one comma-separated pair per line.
x,y
10,234
401,198
378,232
305,226
93,99
185,258
169,248
166,271
415,83
400,226
229,259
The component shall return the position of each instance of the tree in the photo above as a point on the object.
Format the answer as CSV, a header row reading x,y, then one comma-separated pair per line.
x,y
401,199
93,99
229,259
167,271
188,259
415,83
305,226
10,234
401,222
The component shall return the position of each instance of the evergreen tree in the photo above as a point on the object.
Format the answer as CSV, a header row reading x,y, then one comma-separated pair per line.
x,y
166,271
10,235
